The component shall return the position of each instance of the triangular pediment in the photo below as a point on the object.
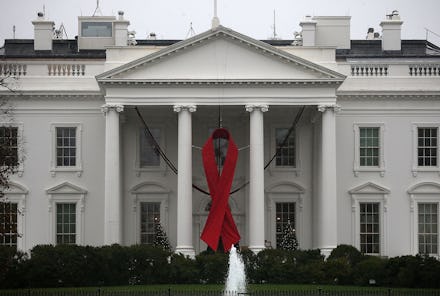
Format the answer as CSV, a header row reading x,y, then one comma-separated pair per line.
x,y
66,188
220,54
369,188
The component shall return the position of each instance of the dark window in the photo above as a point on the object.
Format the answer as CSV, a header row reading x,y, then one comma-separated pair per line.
x,y
285,212
427,146
369,228
369,145
8,146
285,150
149,155
96,29
150,215
66,223
8,224
428,228
66,146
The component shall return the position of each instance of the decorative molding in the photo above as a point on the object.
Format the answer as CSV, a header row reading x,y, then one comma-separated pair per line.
x,y
223,82
190,107
329,107
112,107
260,107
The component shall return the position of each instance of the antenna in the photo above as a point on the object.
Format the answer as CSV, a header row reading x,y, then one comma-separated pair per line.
x,y
215,19
60,32
191,31
275,36
13,32
97,9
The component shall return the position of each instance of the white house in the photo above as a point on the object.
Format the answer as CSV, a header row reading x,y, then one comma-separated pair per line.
x,y
361,166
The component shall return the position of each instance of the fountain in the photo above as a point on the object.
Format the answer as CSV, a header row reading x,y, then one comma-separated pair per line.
x,y
236,280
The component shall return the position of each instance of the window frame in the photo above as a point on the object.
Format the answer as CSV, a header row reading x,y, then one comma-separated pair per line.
x,y
20,145
357,168
148,192
415,167
370,193
422,192
56,221
66,192
273,148
137,163
78,168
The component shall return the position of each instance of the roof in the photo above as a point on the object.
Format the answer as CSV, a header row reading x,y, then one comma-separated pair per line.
x,y
373,49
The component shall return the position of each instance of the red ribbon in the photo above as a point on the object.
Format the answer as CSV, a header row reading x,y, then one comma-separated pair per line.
x,y
220,222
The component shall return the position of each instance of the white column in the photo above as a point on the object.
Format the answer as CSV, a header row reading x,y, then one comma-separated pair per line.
x,y
256,177
184,181
327,201
113,200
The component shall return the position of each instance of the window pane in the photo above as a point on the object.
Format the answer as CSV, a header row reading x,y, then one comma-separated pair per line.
x,y
149,155
427,228
427,146
66,223
369,145
285,148
9,146
285,212
369,228
150,214
8,223
66,146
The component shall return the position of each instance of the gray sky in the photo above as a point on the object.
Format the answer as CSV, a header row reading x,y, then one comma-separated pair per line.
x,y
170,19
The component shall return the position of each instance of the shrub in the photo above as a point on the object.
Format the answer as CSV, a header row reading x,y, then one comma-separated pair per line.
x,y
371,268
12,267
352,255
213,267
183,270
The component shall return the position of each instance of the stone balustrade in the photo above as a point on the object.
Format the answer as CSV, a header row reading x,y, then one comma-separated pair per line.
x,y
424,70
66,69
13,69
369,70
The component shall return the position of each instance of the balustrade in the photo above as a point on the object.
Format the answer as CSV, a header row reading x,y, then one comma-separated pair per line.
x,y
369,70
424,70
66,69
13,70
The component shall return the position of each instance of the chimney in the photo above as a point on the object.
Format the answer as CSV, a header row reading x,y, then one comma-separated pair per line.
x,y
43,33
308,31
121,30
391,31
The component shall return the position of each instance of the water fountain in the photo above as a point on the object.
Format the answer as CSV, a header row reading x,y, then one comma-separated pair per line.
x,y
236,280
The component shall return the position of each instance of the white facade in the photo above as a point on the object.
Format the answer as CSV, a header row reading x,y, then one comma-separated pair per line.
x,y
336,188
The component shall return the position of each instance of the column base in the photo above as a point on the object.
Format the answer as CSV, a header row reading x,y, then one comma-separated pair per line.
x,y
187,251
326,251
256,249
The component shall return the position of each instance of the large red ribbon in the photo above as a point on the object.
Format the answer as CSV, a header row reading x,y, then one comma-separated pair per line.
x,y
220,222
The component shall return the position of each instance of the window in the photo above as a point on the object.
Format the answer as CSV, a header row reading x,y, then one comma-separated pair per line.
x,y
369,146
66,152
66,223
427,146
8,146
285,148
66,146
428,228
369,228
148,153
8,224
96,29
150,214
285,212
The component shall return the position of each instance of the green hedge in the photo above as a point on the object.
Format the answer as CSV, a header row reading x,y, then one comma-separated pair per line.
x,y
75,266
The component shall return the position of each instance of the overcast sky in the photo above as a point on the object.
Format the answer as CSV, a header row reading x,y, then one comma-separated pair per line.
x,y
170,19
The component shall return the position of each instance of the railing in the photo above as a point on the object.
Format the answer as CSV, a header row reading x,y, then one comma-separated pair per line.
x,y
13,69
424,70
66,69
369,70
172,292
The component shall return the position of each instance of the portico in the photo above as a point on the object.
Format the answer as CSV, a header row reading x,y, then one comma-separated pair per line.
x,y
218,68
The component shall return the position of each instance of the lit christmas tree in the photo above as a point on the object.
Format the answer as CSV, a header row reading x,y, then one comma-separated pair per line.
x,y
160,237
289,241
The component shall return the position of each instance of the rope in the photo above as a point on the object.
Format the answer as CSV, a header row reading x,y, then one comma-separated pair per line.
x,y
158,150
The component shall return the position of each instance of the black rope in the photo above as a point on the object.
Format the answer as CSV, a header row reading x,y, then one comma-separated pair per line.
x,y
158,150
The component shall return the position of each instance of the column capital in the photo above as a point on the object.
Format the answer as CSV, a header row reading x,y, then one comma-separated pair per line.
x,y
108,107
252,107
327,107
189,107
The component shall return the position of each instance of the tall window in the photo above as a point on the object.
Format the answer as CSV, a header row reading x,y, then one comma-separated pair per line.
x,y
285,150
369,228
66,151
285,212
369,145
150,214
428,228
8,146
149,155
427,146
8,224
66,223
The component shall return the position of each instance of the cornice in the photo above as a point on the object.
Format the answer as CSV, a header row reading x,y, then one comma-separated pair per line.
x,y
216,82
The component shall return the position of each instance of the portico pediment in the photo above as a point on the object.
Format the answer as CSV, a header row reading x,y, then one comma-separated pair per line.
x,y
220,55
